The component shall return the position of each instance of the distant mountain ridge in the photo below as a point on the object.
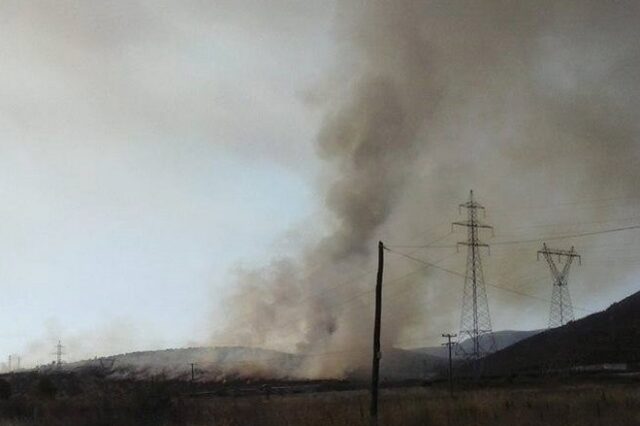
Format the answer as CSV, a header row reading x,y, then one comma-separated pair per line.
x,y
610,336
219,363
503,339
212,362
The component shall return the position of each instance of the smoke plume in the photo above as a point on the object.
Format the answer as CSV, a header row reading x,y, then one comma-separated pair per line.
x,y
530,103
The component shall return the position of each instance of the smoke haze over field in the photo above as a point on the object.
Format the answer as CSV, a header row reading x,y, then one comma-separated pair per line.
x,y
532,104
186,173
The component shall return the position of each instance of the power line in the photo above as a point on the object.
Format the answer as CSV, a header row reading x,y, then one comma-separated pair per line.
x,y
391,281
570,204
432,244
561,237
573,224
532,240
356,278
339,306
435,266
459,274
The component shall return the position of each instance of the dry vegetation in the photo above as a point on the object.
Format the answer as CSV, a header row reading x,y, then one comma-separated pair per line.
x,y
155,404
568,406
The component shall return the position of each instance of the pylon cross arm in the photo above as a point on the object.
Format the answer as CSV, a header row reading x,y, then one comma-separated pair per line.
x,y
560,253
475,224
471,205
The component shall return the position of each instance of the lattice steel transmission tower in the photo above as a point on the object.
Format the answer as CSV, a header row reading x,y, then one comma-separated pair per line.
x,y
59,354
561,311
475,321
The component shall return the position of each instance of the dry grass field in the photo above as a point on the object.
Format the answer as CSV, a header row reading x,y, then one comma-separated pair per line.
x,y
565,406
150,404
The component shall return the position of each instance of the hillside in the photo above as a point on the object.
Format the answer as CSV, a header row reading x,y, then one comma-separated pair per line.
x,y
211,363
399,364
224,363
502,338
608,337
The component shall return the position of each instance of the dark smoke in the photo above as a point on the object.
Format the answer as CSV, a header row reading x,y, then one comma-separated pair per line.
x,y
529,103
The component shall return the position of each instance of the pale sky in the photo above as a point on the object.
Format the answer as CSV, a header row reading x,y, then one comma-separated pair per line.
x,y
147,147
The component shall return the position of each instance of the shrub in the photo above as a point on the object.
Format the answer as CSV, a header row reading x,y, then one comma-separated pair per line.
x,y
5,389
46,388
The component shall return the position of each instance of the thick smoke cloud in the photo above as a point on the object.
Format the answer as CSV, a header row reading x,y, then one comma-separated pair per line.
x,y
369,139
530,103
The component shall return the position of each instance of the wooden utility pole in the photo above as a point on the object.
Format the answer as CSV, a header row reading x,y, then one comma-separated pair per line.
x,y
450,345
375,367
193,376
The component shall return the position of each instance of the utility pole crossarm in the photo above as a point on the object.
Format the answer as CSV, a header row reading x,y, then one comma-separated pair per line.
x,y
475,224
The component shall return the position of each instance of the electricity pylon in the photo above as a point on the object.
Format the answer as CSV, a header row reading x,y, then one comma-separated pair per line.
x,y
59,354
475,321
561,311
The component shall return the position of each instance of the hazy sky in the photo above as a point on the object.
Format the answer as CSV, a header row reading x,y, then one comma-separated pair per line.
x,y
147,146
150,149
